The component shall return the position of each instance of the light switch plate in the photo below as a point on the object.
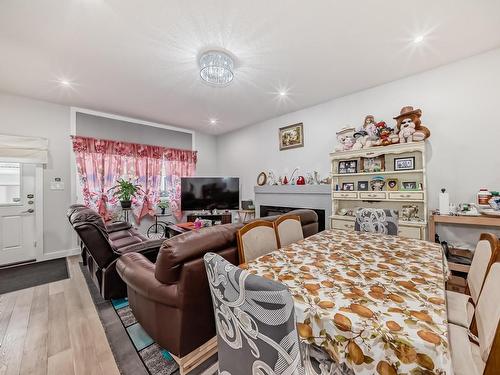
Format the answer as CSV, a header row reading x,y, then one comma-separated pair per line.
x,y
57,186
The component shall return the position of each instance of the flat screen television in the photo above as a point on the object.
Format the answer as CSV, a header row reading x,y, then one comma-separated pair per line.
x,y
208,193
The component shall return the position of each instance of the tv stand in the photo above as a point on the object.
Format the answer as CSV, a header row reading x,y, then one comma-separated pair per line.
x,y
223,217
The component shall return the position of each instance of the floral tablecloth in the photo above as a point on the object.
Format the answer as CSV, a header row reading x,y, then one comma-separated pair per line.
x,y
375,303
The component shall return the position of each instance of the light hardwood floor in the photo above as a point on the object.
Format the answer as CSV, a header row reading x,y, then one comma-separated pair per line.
x,y
53,329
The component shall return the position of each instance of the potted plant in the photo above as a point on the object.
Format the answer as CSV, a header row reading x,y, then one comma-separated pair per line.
x,y
125,191
163,205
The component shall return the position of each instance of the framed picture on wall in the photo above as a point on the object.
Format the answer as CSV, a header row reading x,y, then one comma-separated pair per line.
x,y
404,164
291,136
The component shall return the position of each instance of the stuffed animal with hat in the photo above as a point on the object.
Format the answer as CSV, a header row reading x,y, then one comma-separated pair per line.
x,y
409,127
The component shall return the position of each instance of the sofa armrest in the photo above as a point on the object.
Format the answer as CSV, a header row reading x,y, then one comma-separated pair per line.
x,y
141,247
139,274
117,226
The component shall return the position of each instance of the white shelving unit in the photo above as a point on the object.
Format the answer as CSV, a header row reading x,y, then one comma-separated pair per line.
x,y
393,199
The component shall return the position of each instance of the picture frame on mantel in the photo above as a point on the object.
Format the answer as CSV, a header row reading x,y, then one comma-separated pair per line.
x,y
291,136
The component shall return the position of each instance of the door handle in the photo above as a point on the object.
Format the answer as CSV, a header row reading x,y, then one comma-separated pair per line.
x,y
28,211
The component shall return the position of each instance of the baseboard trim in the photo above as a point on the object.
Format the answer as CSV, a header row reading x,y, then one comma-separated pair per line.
x,y
59,254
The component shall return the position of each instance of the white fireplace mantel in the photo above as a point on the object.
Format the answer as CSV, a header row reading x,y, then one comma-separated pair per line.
x,y
297,196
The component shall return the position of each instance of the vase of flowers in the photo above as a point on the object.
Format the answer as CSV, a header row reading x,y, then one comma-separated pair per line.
x,y
163,205
125,190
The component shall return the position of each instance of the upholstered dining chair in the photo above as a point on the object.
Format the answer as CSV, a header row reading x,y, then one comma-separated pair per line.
x,y
255,239
461,306
377,220
256,327
288,230
472,355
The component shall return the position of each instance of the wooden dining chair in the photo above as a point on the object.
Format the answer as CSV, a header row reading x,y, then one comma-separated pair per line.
x,y
472,355
255,239
461,306
377,220
288,230
255,324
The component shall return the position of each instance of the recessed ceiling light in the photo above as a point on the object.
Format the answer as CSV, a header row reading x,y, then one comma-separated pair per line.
x,y
64,82
283,93
418,39
213,121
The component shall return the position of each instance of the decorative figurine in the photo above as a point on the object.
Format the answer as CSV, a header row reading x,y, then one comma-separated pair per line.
x,y
309,179
377,183
345,137
409,128
316,177
367,135
301,180
271,178
409,212
384,133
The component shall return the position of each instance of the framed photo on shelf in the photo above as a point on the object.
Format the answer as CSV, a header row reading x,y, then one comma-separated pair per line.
x,y
392,184
404,164
375,164
363,186
348,186
291,136
348,166
409,185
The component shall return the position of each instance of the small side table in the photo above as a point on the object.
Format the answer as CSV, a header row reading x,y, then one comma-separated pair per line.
x,y
244,215
126,214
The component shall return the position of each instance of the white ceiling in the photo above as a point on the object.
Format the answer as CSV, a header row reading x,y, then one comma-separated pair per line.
x,y
139,58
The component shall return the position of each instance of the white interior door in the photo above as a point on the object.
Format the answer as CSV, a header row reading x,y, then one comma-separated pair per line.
x,y
17,213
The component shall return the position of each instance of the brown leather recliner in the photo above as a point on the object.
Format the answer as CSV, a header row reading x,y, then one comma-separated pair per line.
x,y
103,245
111,227
171,299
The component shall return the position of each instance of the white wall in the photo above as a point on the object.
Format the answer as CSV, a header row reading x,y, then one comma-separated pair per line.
x,y
207,155
24,116
459,103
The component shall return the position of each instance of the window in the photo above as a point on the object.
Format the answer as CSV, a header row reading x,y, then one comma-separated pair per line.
x,y
10,183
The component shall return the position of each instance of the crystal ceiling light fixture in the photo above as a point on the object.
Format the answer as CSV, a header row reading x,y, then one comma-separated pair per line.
x,y
216,68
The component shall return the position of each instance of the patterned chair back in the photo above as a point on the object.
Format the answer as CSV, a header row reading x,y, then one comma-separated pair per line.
x,y
255,321
377,220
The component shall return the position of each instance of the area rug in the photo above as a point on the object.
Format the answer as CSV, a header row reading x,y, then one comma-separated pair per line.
x,y
133,349
32,274
157,361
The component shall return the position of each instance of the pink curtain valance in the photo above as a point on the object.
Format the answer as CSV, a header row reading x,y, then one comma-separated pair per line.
x,y
110,147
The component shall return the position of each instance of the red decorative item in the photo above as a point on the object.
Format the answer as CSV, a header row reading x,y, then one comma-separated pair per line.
x,y
301,180
285,181
384,132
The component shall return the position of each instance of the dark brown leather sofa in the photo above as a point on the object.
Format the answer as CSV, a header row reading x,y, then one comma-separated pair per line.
x,y
308,220
103,245
171,299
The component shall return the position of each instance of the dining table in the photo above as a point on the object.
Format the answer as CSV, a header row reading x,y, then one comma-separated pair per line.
x,y
374,303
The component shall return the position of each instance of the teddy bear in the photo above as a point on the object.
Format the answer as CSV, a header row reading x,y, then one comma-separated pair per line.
x,y
409,128
345,137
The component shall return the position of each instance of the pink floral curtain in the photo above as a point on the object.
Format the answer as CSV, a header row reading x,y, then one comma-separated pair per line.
x,y
101,163
179,164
